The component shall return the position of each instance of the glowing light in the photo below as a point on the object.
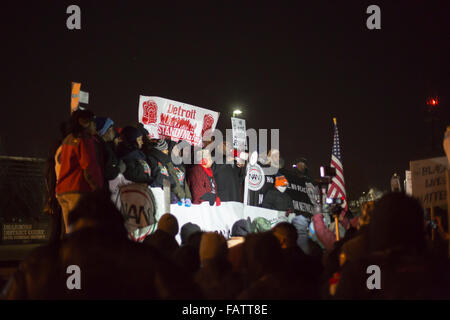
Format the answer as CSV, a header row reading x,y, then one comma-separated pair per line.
x,y
235,112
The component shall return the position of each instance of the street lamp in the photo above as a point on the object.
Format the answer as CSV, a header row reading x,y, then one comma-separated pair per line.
x,y
235,112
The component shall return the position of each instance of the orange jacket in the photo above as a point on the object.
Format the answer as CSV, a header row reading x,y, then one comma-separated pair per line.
x,y
80,169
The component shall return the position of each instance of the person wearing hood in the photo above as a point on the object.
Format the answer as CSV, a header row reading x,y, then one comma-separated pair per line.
x,y
276,198
129,151
106,135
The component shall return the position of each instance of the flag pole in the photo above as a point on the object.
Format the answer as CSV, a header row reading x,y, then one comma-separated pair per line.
x,y
336,220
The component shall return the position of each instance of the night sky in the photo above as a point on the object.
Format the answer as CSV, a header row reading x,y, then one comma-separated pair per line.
x,y
289,65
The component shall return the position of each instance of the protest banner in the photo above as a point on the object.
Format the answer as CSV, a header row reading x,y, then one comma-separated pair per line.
x,y
428,179
169,119
239,134
303,192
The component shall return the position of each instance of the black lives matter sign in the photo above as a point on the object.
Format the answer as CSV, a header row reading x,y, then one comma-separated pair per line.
x,y
428,179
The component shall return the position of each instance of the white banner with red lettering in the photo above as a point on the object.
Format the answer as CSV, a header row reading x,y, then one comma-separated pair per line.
x,y
169,119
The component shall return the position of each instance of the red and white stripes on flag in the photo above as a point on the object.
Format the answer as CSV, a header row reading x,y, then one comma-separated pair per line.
x,y
337,187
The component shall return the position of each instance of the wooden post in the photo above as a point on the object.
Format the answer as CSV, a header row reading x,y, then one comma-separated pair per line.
x,y
336,222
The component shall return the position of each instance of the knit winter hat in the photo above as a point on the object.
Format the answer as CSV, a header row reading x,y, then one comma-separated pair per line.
x,y
162,145
142,129
102,124
168,223
241,228
130,134
187,229
281,181
260,224
212,246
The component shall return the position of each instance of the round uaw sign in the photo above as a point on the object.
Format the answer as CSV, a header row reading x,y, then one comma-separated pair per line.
x,y
137,205
256,178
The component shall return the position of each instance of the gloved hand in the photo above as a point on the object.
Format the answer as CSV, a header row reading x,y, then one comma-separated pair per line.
x,y
218,201
181,202
188,202
210,197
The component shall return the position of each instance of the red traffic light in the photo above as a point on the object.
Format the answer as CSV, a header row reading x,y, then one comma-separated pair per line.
x,y
433,102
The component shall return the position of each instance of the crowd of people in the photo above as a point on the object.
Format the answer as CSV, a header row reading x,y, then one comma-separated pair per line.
x,y
301,259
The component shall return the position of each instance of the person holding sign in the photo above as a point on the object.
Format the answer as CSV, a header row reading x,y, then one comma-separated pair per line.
x,y
276,198
229,175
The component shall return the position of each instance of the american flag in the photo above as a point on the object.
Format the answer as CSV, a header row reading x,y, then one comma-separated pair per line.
x,y
337,187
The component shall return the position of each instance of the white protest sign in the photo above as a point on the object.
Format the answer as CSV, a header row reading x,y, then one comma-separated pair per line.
x,y
84,97
408,183
239,134
169,119
429,181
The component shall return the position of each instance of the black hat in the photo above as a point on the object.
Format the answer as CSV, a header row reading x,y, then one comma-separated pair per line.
x,y
142,129
186,230
130,134
241,228
304,160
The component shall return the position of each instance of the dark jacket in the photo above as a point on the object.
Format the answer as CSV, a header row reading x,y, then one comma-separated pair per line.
x,y
137,169
256,197
158,163
229,178
276,200
163,168
112,168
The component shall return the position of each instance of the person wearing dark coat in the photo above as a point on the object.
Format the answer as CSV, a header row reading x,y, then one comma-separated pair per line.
x,y
159,158
397,245
276,198
163,238
215,276
201,181
178,172
137,169
112,165
307,269
229,176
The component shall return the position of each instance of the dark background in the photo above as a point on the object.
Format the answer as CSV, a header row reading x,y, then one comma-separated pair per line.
x,y
287,65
